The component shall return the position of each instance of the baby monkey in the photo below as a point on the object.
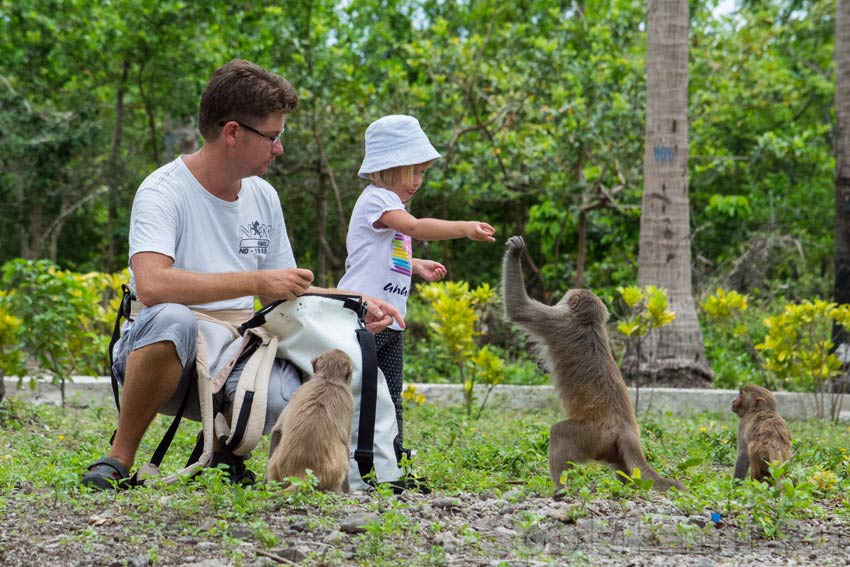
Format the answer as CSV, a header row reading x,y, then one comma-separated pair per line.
x,y
314,429
763,436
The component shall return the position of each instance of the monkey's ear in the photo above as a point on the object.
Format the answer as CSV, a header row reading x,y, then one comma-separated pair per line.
x,y
313,363
759,401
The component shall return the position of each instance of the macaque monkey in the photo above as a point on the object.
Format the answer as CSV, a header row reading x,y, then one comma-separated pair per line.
x,y
314,429
763,436
574,344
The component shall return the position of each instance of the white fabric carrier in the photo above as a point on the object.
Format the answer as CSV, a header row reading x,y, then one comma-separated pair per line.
x,y
298,331
312,324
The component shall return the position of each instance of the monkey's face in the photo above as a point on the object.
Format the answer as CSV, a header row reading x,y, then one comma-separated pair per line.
x,y
737,403
585,306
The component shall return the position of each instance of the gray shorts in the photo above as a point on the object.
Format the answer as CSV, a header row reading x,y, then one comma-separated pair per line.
x,y
176,323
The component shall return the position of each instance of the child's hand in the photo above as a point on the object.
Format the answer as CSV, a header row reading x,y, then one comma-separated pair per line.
x,y
481,232
429,270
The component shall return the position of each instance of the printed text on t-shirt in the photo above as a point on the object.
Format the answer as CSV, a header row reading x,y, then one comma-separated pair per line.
x,y
254,238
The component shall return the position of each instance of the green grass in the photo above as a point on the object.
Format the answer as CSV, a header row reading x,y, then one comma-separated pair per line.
x,y
45,450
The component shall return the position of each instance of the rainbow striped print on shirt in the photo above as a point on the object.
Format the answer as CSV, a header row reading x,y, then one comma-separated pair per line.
x,y
402,251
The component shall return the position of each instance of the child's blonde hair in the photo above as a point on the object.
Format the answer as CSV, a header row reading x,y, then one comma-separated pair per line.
x,y
399,175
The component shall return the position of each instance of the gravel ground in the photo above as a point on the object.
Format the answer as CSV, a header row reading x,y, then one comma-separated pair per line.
x,y
412,529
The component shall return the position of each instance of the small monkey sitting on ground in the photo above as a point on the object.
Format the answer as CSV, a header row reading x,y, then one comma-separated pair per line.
x,y
314,429
602,424
763,435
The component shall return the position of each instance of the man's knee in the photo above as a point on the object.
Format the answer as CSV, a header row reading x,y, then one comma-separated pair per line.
x,y
172,324
178,317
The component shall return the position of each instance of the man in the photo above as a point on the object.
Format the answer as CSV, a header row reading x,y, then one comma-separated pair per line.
x,y
207,233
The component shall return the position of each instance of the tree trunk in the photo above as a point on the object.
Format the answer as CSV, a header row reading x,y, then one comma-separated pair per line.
x,y
322,229
675,356
115,177
842,165
31,247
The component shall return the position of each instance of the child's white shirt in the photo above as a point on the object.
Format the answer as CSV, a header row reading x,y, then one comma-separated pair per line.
x,y
380,260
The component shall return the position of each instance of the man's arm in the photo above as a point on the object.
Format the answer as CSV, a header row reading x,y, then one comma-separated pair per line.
x,y
158,281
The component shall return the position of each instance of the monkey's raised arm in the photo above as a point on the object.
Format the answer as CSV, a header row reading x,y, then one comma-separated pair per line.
x,y
534,316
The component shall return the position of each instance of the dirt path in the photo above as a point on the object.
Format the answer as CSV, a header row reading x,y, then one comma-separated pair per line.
x,y
413,529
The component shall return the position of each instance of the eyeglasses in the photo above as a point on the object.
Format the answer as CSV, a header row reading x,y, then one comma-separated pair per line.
x,y
272,139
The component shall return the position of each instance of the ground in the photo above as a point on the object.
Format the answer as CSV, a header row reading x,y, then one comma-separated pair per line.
x,y
411,529
491,502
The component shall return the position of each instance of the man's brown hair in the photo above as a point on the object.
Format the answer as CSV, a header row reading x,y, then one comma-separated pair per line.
x,y
242,91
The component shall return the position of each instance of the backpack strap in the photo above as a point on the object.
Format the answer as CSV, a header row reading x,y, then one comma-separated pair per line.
x,y
365,453
122,313
202,455
249,404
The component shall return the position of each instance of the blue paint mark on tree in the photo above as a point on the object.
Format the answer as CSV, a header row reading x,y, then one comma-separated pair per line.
x,y
663,153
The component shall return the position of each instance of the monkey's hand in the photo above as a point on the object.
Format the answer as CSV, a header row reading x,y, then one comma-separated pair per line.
x,y
516,245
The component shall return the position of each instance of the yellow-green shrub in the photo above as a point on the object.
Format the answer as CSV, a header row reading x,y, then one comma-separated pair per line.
x,y
66,318
454,329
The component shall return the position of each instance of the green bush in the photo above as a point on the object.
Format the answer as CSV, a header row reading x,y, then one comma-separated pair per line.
x,y
454,326
65,319
791,350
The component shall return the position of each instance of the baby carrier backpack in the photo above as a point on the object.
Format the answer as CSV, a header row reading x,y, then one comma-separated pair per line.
x,y
298,331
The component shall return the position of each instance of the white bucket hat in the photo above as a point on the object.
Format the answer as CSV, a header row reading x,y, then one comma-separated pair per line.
x,y
395,140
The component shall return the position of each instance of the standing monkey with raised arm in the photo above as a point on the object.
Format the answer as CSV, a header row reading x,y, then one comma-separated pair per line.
x,y
763,435
602,424
314,429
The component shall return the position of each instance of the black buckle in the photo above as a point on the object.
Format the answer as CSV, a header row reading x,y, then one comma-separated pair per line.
x,y
126,298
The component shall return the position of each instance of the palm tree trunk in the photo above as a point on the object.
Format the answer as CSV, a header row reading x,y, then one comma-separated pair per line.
x,y
676,355
842,161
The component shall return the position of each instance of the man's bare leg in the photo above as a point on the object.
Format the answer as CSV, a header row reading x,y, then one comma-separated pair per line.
x,y
152,374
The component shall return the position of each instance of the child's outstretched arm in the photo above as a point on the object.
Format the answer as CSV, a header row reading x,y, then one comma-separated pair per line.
x,y
437,229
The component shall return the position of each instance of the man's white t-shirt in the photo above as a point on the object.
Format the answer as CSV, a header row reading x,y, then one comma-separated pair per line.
x,y
380,260
174,215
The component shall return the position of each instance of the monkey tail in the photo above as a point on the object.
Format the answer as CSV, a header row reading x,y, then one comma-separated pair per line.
x,y
632,457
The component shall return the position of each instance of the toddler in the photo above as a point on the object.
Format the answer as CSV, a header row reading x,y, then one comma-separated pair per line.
x,y
380,258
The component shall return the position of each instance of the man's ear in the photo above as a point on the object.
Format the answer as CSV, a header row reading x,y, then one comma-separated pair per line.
x,y
228,133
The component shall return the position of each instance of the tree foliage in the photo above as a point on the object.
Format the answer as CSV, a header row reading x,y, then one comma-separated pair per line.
x,y
537,107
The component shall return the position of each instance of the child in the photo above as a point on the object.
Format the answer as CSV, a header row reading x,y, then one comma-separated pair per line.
x,y
380,258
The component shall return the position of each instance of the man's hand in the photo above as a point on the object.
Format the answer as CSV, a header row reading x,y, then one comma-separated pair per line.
x,y
285,283
429,270
380,314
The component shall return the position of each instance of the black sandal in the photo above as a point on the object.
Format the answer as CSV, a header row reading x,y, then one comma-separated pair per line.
x,y
107,473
